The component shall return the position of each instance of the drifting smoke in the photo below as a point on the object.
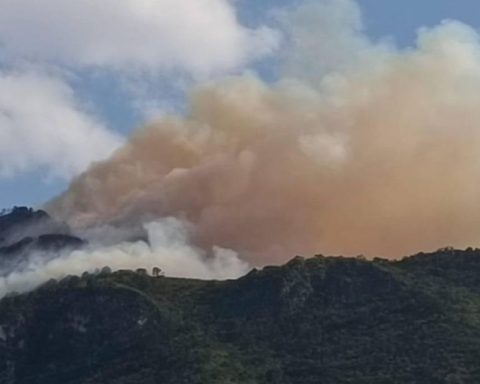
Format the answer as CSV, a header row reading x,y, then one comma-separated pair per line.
x,y
374,153
167,248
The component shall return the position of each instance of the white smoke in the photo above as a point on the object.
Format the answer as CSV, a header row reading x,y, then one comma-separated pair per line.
x,y
167,248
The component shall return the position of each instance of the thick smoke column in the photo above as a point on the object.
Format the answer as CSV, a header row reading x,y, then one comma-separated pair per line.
x,y
376,153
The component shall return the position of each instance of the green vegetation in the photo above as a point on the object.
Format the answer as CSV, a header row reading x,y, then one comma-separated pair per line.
x,y
320,320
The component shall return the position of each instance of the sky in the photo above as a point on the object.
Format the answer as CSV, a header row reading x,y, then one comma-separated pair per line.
x,y
77,78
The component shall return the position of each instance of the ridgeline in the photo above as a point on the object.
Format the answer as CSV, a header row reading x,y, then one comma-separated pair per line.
x,y
320,320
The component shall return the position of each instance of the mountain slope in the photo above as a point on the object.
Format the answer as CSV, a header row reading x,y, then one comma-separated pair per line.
x,y
320,320
24,231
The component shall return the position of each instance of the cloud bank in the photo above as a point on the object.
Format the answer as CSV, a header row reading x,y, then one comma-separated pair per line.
x,y
42,126
196,36
134,44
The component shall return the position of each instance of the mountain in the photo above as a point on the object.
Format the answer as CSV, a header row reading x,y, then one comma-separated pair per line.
x,y
24,230
329,320
22,222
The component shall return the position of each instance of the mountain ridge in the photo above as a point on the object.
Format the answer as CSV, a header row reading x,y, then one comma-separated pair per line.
x,y
321,319
25,231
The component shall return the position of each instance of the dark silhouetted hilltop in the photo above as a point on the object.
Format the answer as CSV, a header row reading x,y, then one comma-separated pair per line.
x,y
25,230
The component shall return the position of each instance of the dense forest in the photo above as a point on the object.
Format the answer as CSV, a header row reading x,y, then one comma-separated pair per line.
x,y
320,320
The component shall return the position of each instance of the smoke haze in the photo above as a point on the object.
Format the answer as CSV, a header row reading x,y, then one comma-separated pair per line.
x,y
167,248
359,148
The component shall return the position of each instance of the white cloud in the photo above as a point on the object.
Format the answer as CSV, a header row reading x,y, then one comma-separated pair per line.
x,y
42,127
197,36
325,37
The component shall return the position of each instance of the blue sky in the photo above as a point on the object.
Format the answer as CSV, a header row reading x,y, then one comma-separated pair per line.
x,y
68,94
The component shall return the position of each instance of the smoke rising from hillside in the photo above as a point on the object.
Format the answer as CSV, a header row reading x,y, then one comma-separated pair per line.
x,y
375,153
167,247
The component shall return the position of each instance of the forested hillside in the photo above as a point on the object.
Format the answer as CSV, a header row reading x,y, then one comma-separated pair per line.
x,y
318,320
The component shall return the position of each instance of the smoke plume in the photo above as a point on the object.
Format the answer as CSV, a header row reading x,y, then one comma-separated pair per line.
x,y
359,148
167,248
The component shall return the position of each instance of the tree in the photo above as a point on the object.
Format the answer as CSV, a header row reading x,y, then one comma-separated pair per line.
x,y
156,271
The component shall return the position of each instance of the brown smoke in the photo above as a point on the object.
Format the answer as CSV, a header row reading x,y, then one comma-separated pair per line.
x,y
380,158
